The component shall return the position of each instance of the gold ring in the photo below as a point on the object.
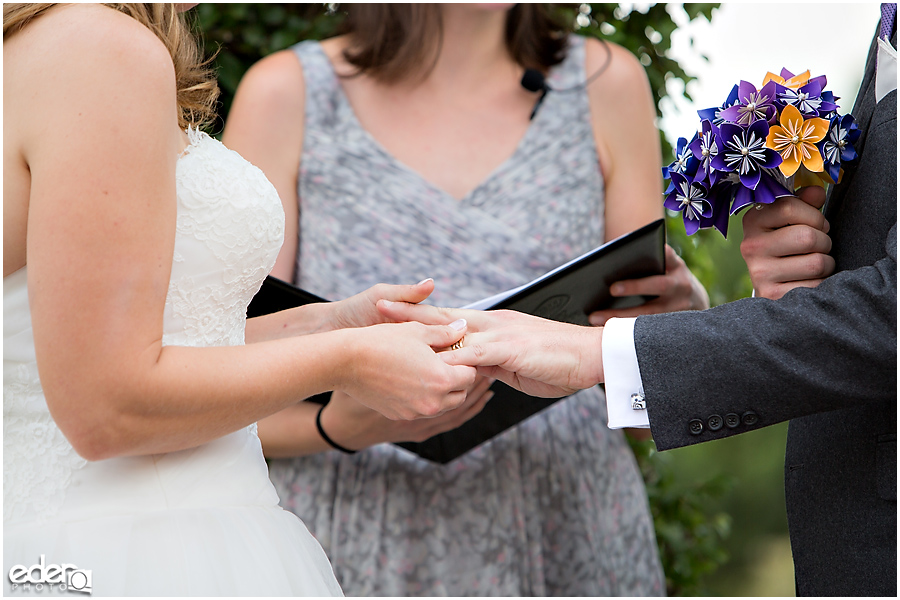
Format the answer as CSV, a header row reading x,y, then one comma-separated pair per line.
x,y
458,344
758,206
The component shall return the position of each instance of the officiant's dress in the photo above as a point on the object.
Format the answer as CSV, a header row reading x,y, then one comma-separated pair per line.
x,y
202,521
554,506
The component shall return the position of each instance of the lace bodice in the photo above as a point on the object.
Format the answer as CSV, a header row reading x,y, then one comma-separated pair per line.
x,y
230,227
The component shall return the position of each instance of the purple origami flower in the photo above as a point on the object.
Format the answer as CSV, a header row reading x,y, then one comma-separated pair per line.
x,y
684,162
744,151
808,99
705,148
720,196
689,198
828,108
714,115
732,162
766,192
837,146
752,104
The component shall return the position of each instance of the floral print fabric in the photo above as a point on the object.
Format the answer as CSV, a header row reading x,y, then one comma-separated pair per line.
x,y
554,506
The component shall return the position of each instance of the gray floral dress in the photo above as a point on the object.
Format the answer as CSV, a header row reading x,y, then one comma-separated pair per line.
x,y
554,506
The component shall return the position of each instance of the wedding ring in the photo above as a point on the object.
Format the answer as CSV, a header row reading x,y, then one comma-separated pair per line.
x,y
458,344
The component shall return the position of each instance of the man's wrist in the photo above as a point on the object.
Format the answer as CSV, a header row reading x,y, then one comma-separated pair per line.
x,y
592,358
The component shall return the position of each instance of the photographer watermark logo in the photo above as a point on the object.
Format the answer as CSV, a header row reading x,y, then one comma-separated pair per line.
x,y
43,577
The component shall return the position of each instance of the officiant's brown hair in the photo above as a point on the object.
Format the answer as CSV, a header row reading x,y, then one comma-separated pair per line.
x,y
391,42
195,81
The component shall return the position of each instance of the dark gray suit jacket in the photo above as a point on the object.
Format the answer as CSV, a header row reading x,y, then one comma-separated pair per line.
x,y
823,358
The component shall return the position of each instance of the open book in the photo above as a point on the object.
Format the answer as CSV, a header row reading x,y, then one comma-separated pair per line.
x,y
568,293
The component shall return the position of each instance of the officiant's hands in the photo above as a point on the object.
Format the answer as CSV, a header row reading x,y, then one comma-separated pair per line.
x,y
786,244
677,289
537,356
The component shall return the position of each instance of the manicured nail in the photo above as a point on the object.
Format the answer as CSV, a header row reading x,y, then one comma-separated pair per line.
x,y
424,280
387,303
458,324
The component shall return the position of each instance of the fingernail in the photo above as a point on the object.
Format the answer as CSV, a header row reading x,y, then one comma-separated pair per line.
x,y
387,303
827,226
616,289
424,280
458,324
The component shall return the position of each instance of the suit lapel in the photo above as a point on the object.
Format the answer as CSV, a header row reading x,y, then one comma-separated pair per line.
x,y
862,112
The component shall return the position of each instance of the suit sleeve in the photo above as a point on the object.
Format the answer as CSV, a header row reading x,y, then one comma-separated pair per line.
x,y
756,362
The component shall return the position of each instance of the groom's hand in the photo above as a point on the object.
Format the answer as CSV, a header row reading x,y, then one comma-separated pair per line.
x,y
537,356
786,244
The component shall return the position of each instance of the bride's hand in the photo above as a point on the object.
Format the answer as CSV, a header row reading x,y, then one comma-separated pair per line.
x,y
355,426
393,368
677,289
360,310
319,317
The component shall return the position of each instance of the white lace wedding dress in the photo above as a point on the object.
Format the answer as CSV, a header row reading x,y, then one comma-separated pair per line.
x,y
202,521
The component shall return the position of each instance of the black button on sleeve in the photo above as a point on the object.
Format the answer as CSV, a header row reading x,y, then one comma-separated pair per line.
x,y
714,422
695,426
750,418
732,420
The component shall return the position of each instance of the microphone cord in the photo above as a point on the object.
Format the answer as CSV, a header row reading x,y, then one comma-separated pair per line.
x,y
533,80
593,76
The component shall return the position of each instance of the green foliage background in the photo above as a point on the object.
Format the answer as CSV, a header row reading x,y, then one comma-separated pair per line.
x,y
713,504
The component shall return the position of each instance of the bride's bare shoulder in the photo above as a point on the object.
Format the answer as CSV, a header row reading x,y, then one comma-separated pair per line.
x,y
85,61
85,37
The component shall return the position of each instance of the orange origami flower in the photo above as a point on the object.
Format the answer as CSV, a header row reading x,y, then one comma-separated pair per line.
x,y
795,82
795,140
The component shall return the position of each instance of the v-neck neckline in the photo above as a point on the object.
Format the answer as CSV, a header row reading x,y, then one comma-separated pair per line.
x,y
345,105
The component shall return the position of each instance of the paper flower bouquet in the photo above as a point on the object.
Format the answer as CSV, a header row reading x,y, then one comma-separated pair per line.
x,y
758,146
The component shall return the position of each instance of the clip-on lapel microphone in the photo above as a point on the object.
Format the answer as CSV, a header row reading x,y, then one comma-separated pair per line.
x,y
535,81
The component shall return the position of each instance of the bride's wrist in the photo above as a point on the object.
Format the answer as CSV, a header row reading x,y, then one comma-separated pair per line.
x,y
329,320
321,317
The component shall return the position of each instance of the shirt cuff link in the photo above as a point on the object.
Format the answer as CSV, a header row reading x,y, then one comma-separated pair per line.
x,y
638,402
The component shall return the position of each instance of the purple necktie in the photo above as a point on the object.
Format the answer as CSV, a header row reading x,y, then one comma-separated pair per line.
x,y
888,15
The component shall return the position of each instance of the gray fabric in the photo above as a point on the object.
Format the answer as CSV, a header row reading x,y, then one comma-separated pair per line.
x,y
555,506
823,358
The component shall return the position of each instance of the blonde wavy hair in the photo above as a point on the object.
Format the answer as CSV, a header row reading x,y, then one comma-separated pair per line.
x,y
195,82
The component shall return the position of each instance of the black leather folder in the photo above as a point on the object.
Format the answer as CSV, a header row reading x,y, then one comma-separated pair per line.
x,y
567,294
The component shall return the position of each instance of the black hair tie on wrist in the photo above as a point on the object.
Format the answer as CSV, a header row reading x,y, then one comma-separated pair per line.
x,y
325,437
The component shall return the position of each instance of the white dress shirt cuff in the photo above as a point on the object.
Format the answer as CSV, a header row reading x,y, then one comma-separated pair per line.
x,y
622,375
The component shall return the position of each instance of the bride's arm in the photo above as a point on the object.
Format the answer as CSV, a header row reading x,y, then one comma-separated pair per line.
x,y
356,311
95,91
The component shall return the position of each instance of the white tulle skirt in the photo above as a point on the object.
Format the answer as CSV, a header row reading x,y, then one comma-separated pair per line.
x,y
202,522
